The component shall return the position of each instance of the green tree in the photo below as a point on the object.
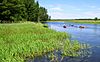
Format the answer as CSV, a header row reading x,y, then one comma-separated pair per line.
x,y
43,14
18,10
95,18
11,10
30,7
36,12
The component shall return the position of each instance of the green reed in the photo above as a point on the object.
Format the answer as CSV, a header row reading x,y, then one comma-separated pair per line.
x,y
21,40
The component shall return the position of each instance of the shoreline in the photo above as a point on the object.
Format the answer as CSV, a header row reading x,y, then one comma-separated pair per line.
x,y
23,40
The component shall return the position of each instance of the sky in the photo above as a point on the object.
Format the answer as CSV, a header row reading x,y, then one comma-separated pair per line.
x,y
71,9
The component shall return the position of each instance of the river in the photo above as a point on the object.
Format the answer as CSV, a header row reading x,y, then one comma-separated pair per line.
x,y
89,35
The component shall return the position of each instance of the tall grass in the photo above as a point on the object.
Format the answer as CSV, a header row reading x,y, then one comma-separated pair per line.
x,y
21,40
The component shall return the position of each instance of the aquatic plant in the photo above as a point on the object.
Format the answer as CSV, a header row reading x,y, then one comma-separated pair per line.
x,y
21,40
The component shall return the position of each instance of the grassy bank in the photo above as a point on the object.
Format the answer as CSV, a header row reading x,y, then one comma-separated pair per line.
x,y
85,21
21,40
77,21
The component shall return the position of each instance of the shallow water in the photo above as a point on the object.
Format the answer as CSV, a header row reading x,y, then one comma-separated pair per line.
x,y
90,35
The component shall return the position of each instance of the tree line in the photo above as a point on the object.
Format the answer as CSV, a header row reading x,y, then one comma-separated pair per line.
x,y
22,10
89,19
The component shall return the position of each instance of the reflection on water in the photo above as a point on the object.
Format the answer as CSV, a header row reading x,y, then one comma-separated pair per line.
x,y
57,56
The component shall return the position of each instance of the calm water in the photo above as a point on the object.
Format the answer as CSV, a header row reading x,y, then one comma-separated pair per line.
x,y
90,35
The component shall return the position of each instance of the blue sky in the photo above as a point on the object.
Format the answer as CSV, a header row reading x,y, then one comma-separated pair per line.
x,y
71,9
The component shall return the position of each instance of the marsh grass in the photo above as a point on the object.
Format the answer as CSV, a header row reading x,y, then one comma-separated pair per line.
x,y
72,48
21,40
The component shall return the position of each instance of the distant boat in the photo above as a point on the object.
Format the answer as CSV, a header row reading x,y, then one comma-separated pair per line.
x,y
81,27
64,26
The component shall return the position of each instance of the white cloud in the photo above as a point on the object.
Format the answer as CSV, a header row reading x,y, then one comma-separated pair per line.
x,y
92,6
60,12
65,15
93,14
56,9
58,15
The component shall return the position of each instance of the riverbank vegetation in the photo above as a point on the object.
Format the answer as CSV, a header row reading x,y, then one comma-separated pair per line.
x,y
86,21
21,40
89,21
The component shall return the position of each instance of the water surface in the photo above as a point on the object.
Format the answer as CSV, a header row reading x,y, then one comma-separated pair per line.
x,y
90,35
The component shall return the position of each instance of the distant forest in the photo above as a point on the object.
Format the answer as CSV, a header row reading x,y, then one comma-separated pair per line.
x,y
75,19
22,10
